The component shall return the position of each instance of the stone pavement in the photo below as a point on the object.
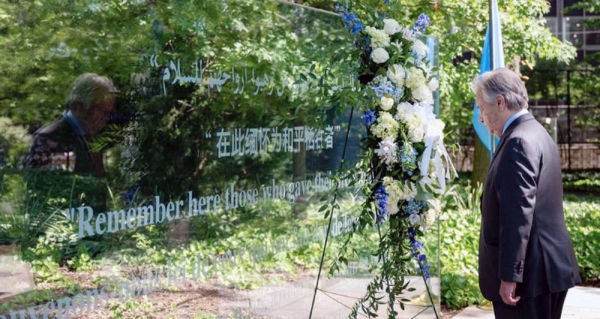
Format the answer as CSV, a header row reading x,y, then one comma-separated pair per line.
x,y
337,296
581,303
334,300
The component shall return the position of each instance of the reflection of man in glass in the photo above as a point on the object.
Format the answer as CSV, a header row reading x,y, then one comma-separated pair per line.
x,y
64,143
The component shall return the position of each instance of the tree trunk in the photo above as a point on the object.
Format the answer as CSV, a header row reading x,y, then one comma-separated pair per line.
x,y
299,174
481,163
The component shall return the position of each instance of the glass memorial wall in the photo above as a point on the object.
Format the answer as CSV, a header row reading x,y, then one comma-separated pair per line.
x,y
176,159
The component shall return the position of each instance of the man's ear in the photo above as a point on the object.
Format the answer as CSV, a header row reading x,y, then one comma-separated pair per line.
x,y
500,102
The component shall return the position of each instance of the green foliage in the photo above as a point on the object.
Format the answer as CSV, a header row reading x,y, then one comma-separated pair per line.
x,y
39,296
460,27
582,215
459,240
582,182
136,309
13,143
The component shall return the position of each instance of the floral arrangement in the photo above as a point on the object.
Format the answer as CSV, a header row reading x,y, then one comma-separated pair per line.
x,y
405,156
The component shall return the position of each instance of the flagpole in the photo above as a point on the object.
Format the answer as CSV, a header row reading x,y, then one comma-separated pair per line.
x,y
491,30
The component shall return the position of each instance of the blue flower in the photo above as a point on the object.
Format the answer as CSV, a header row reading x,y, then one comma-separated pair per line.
x,y
414,206
357,27
381,86
416,248
382,203
412,233
351,20
422,22
369,117
387,1
367,41
408,159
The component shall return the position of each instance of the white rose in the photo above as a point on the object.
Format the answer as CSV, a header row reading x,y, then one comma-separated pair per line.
x,y
391,26
423,94
405,112
433,84
386,103
396,73
380,55
420,48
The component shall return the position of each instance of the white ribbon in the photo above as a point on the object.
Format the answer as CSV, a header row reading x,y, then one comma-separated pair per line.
x,y
433,140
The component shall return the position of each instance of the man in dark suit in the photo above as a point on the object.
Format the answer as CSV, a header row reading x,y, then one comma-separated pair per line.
x,y
64,143
526,257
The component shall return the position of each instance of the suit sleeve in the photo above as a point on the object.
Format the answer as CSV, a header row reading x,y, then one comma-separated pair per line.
x,y
517,189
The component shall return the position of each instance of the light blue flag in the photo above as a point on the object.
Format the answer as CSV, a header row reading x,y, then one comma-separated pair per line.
x,y
498,54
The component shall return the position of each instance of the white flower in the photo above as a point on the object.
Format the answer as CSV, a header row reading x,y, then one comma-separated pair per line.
x,y
396,73
379,39
380,55
422,94
425,111
416,130
385,126
435,129
409,190
420,48
414,219
434,210
415,78
409,34
393,208
433,84
404,112
388,151
394,190
386,103
391,26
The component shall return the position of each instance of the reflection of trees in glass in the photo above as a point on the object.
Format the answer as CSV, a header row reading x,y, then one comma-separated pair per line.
x,y
246,40
51,43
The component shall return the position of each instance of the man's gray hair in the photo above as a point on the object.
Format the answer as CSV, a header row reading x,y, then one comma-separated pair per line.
x,y
89,88
502,82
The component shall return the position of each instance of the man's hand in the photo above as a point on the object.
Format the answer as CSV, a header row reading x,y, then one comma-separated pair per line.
x,y
507,292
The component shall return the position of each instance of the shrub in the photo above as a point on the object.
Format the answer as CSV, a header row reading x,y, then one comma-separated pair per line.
x,y
582,215
459,239
578,182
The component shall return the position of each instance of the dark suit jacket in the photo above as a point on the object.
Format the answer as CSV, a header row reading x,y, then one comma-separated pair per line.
x,y
58,146
523,236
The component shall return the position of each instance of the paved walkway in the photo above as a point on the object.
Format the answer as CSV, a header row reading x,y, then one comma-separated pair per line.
x,y
581,303
334,300
337,296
